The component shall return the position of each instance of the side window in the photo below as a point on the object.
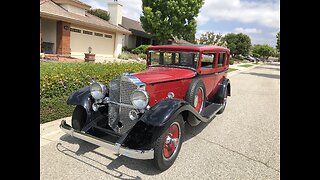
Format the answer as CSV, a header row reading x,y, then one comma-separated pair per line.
x,y
221,59
167,58
155,58
208,60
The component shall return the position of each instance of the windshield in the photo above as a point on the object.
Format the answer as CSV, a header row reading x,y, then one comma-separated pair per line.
x,y
173,58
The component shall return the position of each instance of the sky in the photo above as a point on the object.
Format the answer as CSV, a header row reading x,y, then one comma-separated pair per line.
x,y
259,19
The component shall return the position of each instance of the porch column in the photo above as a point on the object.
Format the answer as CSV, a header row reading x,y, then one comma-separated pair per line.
x,y
118,45
63,38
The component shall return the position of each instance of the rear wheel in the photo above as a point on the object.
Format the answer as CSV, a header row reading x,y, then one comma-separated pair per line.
x,y
196,95
168,145
78,118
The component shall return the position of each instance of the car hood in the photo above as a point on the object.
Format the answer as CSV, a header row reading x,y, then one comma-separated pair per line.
x,y
162,74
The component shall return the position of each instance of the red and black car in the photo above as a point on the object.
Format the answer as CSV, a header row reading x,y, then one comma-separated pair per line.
x,y
142,115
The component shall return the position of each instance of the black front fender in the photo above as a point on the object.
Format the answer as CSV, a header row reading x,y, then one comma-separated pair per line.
x,y
82,98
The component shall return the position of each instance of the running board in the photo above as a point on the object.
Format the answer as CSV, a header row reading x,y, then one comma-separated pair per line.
x,y
210,111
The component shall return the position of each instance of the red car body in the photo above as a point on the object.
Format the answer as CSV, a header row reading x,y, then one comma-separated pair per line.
x,y
146,112
161,80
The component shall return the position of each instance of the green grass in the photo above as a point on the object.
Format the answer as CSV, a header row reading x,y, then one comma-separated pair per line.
x,y
245,65
54,108
232,69
59,80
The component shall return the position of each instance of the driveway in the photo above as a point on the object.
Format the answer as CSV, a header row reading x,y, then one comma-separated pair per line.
x,y
241,143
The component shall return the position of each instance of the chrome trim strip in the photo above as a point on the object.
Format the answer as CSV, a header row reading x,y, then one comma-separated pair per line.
x,y
120,104
134,80
116,147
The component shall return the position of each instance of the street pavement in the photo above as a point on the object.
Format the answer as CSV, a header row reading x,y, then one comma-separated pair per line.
x,y
241,143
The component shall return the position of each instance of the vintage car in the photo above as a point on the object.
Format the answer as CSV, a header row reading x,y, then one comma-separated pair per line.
x,y
143,115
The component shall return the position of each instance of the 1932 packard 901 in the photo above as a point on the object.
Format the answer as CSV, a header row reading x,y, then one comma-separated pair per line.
x,y
146,112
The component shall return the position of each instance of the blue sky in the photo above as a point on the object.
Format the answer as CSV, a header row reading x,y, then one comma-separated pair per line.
x,y
259,19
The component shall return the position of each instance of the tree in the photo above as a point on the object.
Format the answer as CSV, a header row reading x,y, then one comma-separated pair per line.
x,y
210,38
263,50
239,44
165,19
100,13
278,42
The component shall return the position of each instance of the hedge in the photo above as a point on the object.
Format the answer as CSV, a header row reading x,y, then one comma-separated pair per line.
x,y
59,79
54,108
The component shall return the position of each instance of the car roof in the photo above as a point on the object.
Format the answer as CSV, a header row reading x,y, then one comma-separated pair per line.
x,y
189,47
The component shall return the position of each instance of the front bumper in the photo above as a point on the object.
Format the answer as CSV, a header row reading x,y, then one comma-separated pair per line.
x,y
116,147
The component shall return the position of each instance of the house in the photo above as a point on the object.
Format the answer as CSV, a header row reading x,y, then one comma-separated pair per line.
x,y
67,29
138,36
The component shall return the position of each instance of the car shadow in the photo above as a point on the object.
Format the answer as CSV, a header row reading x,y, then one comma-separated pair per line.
x,y
271,68
191,132
143,166
273,76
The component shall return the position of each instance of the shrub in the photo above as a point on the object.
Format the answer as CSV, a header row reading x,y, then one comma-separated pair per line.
x,y
54,108
103,14
143,56
231,61
140,49
239,57
124,55
59,79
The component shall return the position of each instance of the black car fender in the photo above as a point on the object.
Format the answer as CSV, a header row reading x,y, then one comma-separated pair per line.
x,y
82,97
222,86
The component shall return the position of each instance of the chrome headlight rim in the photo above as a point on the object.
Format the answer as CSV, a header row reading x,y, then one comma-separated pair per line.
x,y
145,93
100,93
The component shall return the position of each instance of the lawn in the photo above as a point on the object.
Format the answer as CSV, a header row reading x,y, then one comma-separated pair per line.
x,y
245,65
232,69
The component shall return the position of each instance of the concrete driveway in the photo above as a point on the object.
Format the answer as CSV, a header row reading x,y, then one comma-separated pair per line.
x,y
241,143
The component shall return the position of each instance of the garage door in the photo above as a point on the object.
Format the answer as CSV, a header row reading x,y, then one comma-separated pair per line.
x,y
102,44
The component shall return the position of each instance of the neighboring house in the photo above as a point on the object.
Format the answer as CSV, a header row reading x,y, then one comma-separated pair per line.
x,y
67,29
138,36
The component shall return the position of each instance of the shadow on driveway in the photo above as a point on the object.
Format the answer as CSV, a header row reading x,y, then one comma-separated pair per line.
x,y
143,166
273,76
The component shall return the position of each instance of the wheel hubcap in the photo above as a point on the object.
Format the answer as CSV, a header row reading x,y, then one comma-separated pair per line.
x,y
171,141
198,100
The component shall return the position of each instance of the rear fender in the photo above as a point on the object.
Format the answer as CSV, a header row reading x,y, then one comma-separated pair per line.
x,y
223,85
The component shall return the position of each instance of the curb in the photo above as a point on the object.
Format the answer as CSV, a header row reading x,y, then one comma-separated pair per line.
x,y
50,131
242,70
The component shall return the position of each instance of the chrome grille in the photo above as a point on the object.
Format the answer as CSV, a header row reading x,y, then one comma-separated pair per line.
x,y
120,90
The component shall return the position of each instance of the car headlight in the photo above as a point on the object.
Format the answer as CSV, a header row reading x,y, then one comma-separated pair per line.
x,y
140,98
98,90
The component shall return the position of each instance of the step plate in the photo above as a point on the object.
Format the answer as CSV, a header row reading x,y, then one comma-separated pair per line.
x,y
211,110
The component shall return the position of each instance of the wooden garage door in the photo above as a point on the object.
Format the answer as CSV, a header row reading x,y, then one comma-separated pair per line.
x,y
102,44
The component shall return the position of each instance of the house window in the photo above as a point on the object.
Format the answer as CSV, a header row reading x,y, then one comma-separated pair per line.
x,y
87,32
75,30
98,34
107,36
221,59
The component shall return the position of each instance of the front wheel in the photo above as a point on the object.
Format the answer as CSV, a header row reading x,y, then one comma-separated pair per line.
x,y
168,145
78,118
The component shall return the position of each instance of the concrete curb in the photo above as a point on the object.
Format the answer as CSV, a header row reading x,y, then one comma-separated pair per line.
x,y
241,69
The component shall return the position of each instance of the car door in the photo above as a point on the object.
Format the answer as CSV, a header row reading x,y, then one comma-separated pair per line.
x,y
222,66
207,71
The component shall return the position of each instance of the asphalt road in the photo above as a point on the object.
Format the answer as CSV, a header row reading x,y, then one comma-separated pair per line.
x,y
241,143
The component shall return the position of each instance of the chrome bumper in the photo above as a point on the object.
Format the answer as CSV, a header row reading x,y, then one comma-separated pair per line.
x,y
132,153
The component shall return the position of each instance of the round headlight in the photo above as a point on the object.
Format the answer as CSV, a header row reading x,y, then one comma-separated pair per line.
x,y
98,90
140,98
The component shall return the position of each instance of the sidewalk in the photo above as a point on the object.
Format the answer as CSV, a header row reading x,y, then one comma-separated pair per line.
x,y
50,131
241,69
